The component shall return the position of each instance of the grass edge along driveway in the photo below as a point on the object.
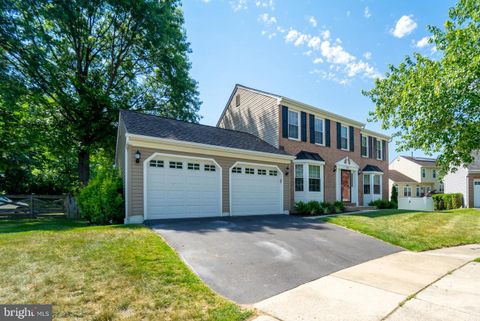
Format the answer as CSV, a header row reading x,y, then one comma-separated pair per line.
x,y
103,273
416,231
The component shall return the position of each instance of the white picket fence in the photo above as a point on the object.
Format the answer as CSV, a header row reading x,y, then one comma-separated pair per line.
x,y
416,203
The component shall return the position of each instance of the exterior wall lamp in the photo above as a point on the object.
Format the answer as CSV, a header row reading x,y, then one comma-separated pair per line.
x,y
334,168
287,170
138,155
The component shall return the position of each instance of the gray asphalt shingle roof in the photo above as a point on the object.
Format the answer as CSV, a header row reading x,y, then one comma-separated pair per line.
x,y
154,126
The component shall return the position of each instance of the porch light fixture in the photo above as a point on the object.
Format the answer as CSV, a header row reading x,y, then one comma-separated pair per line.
x,y
286,170
137,156
334,168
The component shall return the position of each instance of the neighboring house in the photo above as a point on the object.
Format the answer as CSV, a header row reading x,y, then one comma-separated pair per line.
x,y
176,169
466,180
414,176
336,158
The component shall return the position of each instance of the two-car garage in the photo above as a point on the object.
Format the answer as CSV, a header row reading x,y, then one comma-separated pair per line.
x,y
186,187
174,169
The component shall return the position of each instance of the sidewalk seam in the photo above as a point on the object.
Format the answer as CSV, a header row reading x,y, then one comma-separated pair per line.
x,y
413,295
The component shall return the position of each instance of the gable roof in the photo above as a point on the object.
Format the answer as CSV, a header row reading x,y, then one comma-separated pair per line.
x,y
398,177
301,105
310,156
155,126
422,161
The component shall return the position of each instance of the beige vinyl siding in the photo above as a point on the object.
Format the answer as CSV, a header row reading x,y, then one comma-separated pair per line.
x,y
257,115
135,177
120,152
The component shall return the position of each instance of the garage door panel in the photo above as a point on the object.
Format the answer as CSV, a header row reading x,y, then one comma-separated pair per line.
x,y
182,192
256,194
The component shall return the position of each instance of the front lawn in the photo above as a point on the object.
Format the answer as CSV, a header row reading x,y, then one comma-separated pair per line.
x,y
102,273
416,231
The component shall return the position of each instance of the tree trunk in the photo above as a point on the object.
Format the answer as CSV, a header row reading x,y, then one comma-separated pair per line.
x,y
83,166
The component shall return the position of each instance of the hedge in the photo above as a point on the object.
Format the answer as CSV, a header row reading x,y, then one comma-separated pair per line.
x,y
447,201
318,208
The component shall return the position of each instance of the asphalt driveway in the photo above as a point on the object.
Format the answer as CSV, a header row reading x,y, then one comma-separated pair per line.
x,y
249,259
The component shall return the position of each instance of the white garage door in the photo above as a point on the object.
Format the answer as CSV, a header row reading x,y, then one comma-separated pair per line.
x,y
476,193
182,187
256,190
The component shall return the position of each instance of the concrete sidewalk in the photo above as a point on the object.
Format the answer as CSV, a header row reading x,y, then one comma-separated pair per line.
x,y
400,286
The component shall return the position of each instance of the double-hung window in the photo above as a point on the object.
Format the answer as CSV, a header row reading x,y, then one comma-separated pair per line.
x,y
434,173
314,178
364,146
379,150
366,184
299,178
407,191
424,172
319,131
376,184
344,137
293,124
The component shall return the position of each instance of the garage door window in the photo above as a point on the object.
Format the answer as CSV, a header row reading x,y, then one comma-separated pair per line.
x,y
262,172
178,165
249,171
156,163
272,172
237,170
193,166
209,168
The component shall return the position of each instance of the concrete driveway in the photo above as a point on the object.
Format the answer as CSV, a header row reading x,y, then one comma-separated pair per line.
x,y
249,259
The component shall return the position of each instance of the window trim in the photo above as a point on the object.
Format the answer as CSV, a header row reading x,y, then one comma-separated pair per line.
x,y
361,146
434,173
315,118
424,172
409,188
298,124
379,143
348,138
295,178
319,178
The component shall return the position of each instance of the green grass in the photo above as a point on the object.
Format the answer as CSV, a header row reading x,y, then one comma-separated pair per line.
x,y
477,260
103,273
416,231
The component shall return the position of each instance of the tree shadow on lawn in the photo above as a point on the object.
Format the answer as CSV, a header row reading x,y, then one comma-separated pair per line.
x,y
50,224
378,213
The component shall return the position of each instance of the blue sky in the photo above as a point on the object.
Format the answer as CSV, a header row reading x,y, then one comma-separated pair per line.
x,y
322,53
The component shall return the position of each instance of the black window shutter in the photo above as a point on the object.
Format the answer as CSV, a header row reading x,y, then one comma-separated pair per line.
x,y
327,132
303,125
284,121
374,148
339,135
384,149
312,129
361,148
352,141
370,147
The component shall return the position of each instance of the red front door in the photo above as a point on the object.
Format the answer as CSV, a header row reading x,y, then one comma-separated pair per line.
x,y
346,185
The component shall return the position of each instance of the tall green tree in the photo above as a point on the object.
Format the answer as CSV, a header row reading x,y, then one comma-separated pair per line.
x,y
77,62
434,104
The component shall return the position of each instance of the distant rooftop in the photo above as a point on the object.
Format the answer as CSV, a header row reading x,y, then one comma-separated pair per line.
x,y
423,161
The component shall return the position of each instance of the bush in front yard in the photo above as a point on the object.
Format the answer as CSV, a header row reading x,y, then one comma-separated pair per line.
x,y
339,207
301,208
326,207
101,201
383,204
447,201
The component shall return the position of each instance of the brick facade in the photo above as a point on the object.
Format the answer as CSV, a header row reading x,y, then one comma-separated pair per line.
x,y
331,155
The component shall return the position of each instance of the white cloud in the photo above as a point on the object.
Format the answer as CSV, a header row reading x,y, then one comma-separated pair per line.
x,y
335,54
267,19
366,13
404,26
292,35
326,34
313,21
296,37
367,55
238,5
317,60
265,4
314,43
422,42
205,1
